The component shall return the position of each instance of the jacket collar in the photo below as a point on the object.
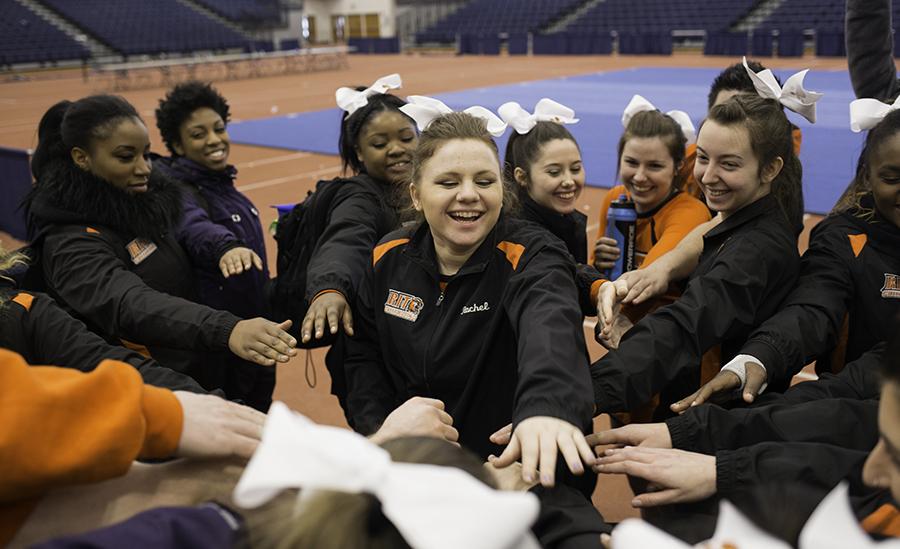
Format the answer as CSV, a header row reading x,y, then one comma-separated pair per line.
x,y
68,195
767,205
869,221
188,171
421,250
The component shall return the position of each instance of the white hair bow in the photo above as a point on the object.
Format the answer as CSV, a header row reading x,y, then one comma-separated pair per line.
x,y
351,100
546,110
639,104
831,526
792,95
865,114
425,109
432,507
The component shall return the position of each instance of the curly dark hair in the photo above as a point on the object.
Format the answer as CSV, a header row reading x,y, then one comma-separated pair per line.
x,y
180,102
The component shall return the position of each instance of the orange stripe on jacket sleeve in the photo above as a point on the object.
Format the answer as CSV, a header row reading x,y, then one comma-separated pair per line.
x,y
91,230
595,290
136,347
382,249
884,521
513,252
24,300
857,242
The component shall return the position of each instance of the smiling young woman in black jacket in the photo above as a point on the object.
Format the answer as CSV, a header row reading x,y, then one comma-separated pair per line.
x,y
749,263
473,309
102,225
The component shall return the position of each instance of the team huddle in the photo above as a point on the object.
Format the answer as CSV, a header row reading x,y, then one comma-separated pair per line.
x,y
450,284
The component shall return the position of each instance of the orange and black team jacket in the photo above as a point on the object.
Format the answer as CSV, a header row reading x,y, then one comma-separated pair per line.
x,y
817,433
661,229
62,427
34,326
844,300
500,341
748,266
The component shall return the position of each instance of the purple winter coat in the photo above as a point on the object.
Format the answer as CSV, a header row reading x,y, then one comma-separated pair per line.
x,y
218,218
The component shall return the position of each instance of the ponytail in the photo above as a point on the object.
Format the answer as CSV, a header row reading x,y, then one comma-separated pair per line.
x,y
50,141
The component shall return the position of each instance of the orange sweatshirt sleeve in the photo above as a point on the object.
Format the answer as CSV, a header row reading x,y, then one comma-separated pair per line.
x,y
674,222
62,427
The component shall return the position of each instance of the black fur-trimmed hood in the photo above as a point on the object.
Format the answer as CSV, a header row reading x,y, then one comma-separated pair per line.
x,y
67,195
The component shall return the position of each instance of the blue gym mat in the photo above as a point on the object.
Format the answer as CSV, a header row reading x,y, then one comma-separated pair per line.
x,y
829,150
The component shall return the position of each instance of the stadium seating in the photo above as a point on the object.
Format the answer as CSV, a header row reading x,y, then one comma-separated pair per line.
x,y
27,38
648,16
492,17
137,26
245,11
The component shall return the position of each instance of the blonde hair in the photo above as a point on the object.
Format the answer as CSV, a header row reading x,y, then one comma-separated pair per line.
x,y
8,260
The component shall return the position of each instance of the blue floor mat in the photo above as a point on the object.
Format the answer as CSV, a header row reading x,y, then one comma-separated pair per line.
x,y
828,153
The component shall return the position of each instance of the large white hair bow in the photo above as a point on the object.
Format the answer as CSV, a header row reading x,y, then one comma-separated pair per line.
x,y
792,95
432,507
639,104
351,100
425,109
865,114
546,110
831,526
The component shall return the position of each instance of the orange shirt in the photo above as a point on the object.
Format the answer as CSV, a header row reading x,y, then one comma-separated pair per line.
x,y
63,427
661,230
690,156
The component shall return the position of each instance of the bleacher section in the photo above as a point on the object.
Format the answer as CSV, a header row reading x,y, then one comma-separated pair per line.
x,y
27,38
661,15
138,26
807,14
251,12
491,17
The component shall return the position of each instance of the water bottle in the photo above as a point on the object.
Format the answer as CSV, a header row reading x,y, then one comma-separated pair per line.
x,y
621,225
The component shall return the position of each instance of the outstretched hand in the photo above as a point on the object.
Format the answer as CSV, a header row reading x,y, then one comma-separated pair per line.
x,y
723,385
537,441
331,308
237,260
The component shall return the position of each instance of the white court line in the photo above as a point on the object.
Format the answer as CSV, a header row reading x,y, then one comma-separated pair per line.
x,y
286,179
273,160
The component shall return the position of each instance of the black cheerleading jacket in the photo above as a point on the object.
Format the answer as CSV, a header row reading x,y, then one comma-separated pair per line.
x,y
501,342
359,215
111,260
33,325
850,274
818,432
571,229
870,46
748,265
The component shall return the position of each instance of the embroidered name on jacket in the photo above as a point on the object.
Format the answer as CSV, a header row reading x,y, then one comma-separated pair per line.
x,y
475,308
891,286
403,305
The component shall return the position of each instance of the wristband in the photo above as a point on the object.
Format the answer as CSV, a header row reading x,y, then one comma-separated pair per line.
x,y
738,366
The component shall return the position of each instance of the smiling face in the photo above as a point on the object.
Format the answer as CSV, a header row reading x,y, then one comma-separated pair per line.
x,y
727,169
556,177
884,178
647,170
460,192
204,139
385,146
121,157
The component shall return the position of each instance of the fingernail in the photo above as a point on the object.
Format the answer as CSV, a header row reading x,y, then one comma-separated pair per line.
x,y
577,469
635,502
546,479
528,477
